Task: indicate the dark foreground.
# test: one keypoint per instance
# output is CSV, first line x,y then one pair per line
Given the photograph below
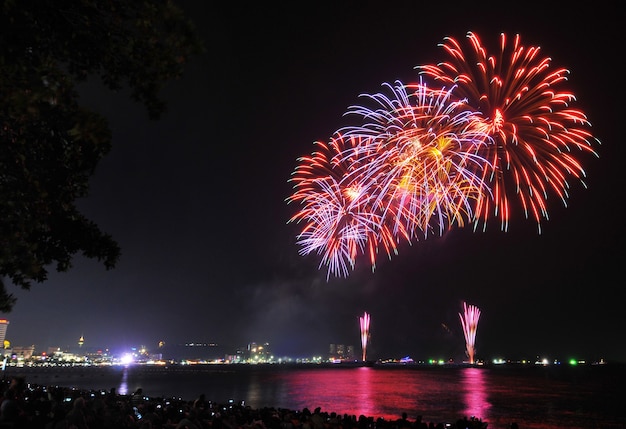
x,y
24,405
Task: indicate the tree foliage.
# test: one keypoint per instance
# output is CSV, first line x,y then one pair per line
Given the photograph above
x,y
50,145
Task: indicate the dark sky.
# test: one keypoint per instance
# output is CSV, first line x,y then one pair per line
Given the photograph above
x,y
197,199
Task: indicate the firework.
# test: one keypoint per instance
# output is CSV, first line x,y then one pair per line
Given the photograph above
x,y
339,222
498,132
421,150
411,167
527,113
469,322
365,332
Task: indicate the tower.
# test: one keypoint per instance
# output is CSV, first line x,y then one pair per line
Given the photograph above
x,y
4,323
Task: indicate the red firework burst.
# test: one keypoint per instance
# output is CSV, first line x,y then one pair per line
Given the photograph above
x,y
528,115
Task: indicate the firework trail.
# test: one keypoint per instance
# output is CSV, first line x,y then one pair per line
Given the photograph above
x,y
469,322
528,114
365,333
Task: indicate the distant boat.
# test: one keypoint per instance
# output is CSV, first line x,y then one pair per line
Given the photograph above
x,y
353,363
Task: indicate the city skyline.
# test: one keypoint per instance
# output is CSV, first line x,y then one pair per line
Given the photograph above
x,y
337,351
198,200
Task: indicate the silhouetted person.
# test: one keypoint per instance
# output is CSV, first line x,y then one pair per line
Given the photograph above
x,y
10,409
76,417
136,398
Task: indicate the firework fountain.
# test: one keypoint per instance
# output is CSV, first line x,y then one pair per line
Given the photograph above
x,y
469,322
365,333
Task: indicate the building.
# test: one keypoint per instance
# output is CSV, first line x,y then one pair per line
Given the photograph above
x,y
23,353
4,323
259,353
340,352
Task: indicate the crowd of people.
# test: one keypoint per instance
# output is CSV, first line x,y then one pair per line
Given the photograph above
x,y
28,406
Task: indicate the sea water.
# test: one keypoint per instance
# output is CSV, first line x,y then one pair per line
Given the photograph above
x,y
535,397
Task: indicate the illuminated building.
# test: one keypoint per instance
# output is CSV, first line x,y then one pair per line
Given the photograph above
x,y
24,353
4,323
341,352
259,352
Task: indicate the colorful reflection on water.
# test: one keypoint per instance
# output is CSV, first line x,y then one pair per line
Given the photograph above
x,y
535,398
122,389
370,392
475,393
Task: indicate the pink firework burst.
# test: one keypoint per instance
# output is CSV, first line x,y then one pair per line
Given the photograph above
x,y
421,147
336,212
412,166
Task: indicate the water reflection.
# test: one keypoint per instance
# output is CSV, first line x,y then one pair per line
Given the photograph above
x,y
364,392
371,392
123,387
329,387
254,388
475,393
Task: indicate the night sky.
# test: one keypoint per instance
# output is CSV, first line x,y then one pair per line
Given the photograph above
x,y
197,203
